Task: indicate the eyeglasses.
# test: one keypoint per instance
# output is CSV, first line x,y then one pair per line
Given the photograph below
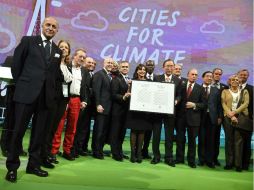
x,y
236,80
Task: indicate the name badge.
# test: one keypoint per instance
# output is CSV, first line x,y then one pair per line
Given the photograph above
x,y
65,90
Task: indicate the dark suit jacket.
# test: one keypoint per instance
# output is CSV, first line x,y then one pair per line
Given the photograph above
x,y
192,116
31,70
118,89
250,107
214,105
102,90
86,87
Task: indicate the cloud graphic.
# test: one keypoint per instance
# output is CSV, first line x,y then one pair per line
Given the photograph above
x,y
100,25
212,27
12,40
56,3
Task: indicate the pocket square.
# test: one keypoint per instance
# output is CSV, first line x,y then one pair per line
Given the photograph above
x,y
57,55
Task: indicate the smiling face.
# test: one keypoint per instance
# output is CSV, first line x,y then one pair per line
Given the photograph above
x,y
49,27
65,49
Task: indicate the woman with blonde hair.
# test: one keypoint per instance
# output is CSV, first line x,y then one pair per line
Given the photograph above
x,y
234,102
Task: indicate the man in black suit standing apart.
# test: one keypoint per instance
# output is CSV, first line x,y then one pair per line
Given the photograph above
x,y
191,104
82,135
209,120
36,62
243,76
120,105
102,94
217,73
169,121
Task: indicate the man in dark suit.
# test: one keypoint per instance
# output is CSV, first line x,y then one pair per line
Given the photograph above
x,y
36,61
243,76
191,104
209,120
150,66
217,74
82,135
102,95
120,104
169,121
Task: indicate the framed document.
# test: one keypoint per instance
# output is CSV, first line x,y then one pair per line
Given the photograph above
x,y
156,97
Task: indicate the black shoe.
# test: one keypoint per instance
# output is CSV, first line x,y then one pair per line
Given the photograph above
x,y
201,163
117,158
125,156
139,160
98,156
107,153
52,159
59,153
146,156
37,171
133,159
11,176
68,156
245,168
217,163
179,162
47,164
210,165
228,167
82,153
155,161
23,153
170,163
238,169
192,165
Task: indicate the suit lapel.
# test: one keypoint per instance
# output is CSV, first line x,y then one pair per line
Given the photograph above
x,y
40,46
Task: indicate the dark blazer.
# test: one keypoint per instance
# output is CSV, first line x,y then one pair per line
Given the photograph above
x,y
250,107
102,90
193,116
31,70
214,105
118,89
86,86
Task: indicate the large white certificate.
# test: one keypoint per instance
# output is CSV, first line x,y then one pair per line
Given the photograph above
x,y
154,97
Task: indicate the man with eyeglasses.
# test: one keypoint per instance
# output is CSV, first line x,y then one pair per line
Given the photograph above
x,y
217,74
80,145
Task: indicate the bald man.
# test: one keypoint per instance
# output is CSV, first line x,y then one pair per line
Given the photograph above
x,y
36,61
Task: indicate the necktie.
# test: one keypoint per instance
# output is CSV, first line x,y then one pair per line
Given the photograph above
x,y
189,90
91,74
206,91
109,76
47,49
217,85
127,79
167,79
149,77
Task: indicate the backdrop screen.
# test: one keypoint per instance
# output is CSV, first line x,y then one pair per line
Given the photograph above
x,y
200,33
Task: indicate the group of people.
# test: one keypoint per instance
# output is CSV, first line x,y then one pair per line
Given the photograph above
x,y
57,90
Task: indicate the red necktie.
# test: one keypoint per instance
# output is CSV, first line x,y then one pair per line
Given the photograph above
x,y
189,90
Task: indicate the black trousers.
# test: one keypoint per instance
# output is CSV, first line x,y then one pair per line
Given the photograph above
x,y
100,132
117,134
229,141
217,142
23,114
206,138
82,135
54,116
169,134
192,132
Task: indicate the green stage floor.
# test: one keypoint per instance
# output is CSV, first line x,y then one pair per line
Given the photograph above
x,y
87,173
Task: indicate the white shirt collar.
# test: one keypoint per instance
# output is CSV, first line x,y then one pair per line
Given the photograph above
x,y
44,38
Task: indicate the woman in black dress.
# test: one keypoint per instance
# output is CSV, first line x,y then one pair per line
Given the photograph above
x,y
138,122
